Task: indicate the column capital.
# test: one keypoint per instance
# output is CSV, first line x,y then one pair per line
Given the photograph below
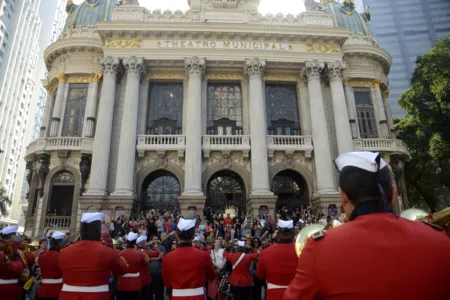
x,y
376,82
50,88
195,66
61,77
134,65
335,69
254,67
96,77
313,69
110,64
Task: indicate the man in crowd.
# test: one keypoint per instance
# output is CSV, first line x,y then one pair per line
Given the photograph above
x,y
384,257
86,266
278,275
52,282
156,268
11,266
186,269
146,278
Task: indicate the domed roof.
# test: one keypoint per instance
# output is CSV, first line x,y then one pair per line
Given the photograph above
x,y
88,13
345,16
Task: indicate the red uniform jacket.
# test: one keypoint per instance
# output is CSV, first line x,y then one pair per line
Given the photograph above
x,y
277,264
146,278
187,268
10,270
89,264
48,261
241,276
136,261
376,256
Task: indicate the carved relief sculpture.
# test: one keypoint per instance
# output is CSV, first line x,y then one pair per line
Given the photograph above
x,y
85,170
30,170
312,5
195,66
254,67
44,162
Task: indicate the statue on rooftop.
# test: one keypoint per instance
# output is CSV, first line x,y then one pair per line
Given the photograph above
x,y
312,5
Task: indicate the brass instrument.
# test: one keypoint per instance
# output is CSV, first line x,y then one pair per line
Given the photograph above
x,y
308,231
413,214
32,247
6,248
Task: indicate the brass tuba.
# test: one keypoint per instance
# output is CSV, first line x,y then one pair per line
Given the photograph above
x,y
308,231
413,214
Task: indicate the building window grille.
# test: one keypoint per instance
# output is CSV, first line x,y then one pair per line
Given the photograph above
x,y
365,113
224,104
165,113
75,109
282,110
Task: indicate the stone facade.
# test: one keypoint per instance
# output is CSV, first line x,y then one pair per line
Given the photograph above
x,y
115,155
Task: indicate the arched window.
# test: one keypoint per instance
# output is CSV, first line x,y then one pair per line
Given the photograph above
x,y
75,108
64,178
225,188
291,189
365,113
161,190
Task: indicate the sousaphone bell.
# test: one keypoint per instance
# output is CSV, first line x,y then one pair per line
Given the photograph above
x,y
308,231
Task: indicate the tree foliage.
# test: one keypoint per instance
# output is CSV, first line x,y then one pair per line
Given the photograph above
x,y
426,128
4,202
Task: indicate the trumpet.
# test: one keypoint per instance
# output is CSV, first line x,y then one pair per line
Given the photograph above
x,y
308,231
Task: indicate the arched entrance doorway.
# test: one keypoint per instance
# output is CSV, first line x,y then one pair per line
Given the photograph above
x,y
225,188
160,190
59,206
291,190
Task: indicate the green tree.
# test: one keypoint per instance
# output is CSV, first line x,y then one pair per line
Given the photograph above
x,y
4,201
426,127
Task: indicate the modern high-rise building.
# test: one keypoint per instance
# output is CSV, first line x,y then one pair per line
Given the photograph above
x,y
51,17
407,29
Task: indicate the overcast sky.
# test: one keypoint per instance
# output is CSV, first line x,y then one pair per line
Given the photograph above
x,y
266,6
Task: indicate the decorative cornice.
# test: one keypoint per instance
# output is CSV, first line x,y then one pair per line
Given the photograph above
x,y
166,75
335,69
110,64
282,77
134,65
254,67
50,88
313,69
323,48
195,66
61,77
376,82
362,83
79,79
123,43
225,76
96,77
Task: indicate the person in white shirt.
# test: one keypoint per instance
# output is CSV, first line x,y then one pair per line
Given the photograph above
x,y
217,256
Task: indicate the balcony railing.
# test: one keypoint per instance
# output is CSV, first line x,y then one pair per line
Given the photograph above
x,y
289,144
60,143
226,143
161,143
58,222
382,145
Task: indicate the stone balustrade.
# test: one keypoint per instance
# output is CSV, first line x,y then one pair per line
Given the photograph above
x,y
226,143
161,143
289,144
393,146
58,222
60,144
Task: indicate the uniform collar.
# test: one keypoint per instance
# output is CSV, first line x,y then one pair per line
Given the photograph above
x,y
285,242
53,249
370,207
184,245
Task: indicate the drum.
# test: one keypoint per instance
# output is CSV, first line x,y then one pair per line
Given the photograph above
x,y
225,287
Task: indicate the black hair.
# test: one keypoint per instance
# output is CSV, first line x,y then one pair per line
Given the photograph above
x,y
186,235
42,241
55,243
91,231
360,185
131,244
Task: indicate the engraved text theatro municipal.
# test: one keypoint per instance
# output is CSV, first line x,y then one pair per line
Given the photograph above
x,y
225,45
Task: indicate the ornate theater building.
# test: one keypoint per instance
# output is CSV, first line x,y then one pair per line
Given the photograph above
x,y
214,107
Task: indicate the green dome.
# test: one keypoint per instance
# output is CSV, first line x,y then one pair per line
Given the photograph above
x,y
88,13
345,16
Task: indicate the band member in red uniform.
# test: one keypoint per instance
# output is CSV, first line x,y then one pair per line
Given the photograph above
x,y
278,263
241,279
129,285
11,266
375,255
146,278
87,264
51,274
186,269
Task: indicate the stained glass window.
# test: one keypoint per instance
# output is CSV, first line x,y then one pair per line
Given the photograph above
x,y
365,113
165,113
224,109
282,110
161,191
75,108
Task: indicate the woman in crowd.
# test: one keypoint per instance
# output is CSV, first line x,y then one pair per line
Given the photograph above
x,y
219,261
42,247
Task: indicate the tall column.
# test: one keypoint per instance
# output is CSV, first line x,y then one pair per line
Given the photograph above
x,y
378,102
128,131
341,121
58,108
195,69
322,152
91,106
260,193
304,110
389,117
48,107
351,107
102,141
143,106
